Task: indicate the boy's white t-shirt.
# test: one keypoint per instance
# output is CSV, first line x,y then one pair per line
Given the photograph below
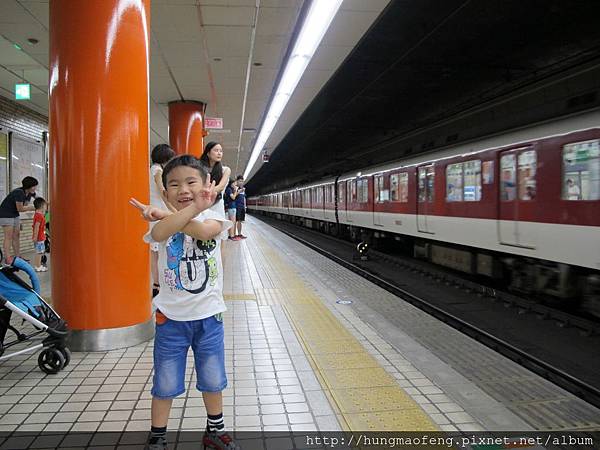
x,y
191,273
155,198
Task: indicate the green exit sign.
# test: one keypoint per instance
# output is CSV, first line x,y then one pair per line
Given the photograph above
x,y
22,91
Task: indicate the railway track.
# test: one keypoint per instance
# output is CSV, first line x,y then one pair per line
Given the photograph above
x,y
563,320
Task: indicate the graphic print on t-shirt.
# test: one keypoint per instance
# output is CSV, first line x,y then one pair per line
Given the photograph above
x,y
191,263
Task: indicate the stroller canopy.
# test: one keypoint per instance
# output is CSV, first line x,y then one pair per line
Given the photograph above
x,y
23,298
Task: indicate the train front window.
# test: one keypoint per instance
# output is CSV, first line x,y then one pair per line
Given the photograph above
x,y
581,171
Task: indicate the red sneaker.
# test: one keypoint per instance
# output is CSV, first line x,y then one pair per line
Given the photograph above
x,y
218,440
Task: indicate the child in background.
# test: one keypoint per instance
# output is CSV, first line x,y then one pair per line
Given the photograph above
x,y
160,155
190,303
39,234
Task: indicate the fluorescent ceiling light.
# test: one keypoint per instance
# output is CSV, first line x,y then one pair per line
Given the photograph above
x,y
317,21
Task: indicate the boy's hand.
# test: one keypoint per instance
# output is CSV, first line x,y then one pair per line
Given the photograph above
x,y
206,196
149,213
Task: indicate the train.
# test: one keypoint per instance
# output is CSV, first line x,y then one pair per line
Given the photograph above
x,y
521,208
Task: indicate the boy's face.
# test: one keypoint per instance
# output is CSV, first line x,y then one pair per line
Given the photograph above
x,y
183,184
43,208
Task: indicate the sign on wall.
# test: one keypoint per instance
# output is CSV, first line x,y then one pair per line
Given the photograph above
x,y
22,91
213,122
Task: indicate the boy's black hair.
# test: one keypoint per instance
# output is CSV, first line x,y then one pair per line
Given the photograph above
x,y
29,182
38,202
184,160
239,177
161,154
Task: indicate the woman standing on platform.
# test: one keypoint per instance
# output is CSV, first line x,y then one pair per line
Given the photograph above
x,y
211,159
10,209
161,154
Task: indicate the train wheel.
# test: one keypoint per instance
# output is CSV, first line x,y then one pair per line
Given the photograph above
x,y
51,360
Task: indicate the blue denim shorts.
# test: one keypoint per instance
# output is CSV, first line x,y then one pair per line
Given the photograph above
x,y
40,247
171,343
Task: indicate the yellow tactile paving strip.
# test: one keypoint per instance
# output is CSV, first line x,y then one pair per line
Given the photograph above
x,y
365,396
239,296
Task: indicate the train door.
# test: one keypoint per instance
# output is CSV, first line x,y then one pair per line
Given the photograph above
x,y
340,201
425,187
517,193
350,198
379,197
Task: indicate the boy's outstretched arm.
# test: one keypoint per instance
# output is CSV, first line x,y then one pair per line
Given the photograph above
x,y
200,230
174,223
203,231
153,214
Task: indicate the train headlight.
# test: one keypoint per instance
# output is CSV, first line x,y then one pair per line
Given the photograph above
x,y
362,249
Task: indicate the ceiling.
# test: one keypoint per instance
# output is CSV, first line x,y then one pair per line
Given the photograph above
x,y
201,50
430,74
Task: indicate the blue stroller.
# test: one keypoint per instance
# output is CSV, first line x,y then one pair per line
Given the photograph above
x,y
17,297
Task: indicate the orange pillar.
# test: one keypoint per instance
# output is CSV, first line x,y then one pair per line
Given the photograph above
x,y
186,127
98,110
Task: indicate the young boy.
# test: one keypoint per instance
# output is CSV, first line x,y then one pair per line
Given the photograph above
x,y
190,303
39,234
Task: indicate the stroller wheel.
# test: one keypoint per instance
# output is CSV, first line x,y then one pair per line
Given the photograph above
x,y
51,360
66,354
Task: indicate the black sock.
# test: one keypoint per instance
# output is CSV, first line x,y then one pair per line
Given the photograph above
x,y
156,433
215,423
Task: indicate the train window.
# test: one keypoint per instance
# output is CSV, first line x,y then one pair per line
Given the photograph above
x,y
399,187
394,186
403,188
509,176
381,194
363,190
352,191
426,184
527,169
306,198
581,171
472,181
341,195
454,182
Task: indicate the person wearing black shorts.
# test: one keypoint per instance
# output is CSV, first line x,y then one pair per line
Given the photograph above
x,y
10,209
240,206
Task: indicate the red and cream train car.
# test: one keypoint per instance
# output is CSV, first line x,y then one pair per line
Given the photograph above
x,y
523,205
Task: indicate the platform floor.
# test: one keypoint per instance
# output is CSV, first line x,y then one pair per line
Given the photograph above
x,y
299,360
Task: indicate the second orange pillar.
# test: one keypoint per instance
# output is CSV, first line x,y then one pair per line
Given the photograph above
x,y
186,127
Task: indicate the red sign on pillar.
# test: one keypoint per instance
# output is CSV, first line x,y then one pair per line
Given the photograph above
x,y
216,123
